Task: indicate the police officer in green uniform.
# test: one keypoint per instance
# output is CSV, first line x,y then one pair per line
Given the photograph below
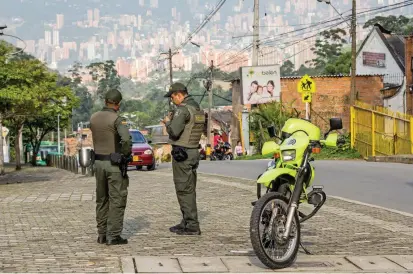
x,y
111,141
185,127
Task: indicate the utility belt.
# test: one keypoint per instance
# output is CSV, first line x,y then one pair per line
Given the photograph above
x,y
115,159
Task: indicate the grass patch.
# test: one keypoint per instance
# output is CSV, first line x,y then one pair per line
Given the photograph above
x,y
253,157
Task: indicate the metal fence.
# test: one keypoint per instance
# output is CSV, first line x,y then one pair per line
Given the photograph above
x,y
69,163
378,131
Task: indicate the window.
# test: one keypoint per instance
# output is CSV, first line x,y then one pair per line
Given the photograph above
x,y
137,137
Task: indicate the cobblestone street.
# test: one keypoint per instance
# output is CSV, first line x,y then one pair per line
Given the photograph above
x,y
47,223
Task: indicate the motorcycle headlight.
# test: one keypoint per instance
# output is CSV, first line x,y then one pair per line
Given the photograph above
x,y
148,152
288,155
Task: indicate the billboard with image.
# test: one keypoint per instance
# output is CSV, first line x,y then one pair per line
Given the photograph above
x,y
260,84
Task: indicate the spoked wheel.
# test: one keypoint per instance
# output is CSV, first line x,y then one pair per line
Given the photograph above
x,y
267,224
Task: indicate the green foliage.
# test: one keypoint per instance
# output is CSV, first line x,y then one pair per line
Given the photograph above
x,y
398,25
341,152
83,111
33,95
287,69
266,115
106,75
328,48
330,58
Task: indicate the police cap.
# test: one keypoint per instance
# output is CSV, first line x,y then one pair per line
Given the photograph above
x,y
113,96
176,87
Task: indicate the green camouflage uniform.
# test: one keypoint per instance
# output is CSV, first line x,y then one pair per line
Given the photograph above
x,y
185,130
110,135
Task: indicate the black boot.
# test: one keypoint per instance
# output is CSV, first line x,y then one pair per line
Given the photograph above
x,y
189,231
176,228
118,240
101,239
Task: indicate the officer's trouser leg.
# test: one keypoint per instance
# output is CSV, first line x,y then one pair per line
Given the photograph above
x,y
118,192
185,176
102,197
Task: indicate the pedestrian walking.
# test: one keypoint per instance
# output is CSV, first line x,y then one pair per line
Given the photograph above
x,y
185,127
112,145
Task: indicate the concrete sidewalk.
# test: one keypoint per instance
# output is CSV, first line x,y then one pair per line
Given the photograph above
x,y
402,159
245,264
47,224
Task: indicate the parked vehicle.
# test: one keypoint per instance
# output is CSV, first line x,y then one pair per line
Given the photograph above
x,y
142,152
275,219
46,147
222,151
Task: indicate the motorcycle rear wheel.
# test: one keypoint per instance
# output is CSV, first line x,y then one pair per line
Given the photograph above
x,y
258,239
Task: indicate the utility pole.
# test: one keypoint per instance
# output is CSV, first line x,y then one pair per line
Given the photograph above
x,y
170,55
209,125
353,54
255,34
170,65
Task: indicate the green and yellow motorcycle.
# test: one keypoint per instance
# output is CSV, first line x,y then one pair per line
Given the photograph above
x,y
275,218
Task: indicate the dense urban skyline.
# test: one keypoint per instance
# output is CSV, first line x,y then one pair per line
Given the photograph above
x,y
134,33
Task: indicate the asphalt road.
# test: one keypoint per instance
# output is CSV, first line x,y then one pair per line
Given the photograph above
x,y
388,185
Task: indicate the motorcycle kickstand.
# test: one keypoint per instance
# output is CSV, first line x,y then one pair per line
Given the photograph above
x,y
305,249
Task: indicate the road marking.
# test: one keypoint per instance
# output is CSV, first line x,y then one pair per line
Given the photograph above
x,y
331,196
370,205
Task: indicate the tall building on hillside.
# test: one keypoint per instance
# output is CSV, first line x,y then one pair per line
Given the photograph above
x,y
48,38
141,3
56,41
90,17
59,21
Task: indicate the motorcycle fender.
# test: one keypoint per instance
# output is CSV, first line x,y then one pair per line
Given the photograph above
x,y
267,177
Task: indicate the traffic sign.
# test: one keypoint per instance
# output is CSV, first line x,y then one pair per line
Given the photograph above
x,y
306,97
306,84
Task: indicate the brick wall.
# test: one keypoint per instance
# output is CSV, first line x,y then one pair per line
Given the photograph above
x,y
409,76
332,97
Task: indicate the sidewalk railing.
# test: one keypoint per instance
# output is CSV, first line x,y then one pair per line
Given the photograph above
x,y
69,163
378,131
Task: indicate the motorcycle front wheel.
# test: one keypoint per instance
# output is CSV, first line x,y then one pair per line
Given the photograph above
x,y
267,225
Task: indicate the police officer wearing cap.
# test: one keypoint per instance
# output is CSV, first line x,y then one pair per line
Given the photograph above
x,y
111,142
185,127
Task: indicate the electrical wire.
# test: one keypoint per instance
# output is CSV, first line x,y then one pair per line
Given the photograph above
x,y
17,52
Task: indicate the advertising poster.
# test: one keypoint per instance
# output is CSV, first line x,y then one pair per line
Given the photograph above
x,y
373,59
260,84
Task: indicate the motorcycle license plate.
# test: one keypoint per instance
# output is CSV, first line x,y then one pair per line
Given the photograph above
x,y
135,158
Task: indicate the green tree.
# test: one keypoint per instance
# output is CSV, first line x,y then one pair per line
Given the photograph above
x,y
328,48
55,100
341,65
399,25
106,75
287,69
24,85
83,112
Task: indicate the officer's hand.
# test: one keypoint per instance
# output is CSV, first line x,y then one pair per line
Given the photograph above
x,y
165,120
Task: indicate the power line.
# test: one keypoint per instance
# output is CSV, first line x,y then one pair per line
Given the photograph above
x,y
360,14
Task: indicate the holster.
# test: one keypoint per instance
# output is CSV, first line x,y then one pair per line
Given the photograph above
x,y
116,159
179,153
